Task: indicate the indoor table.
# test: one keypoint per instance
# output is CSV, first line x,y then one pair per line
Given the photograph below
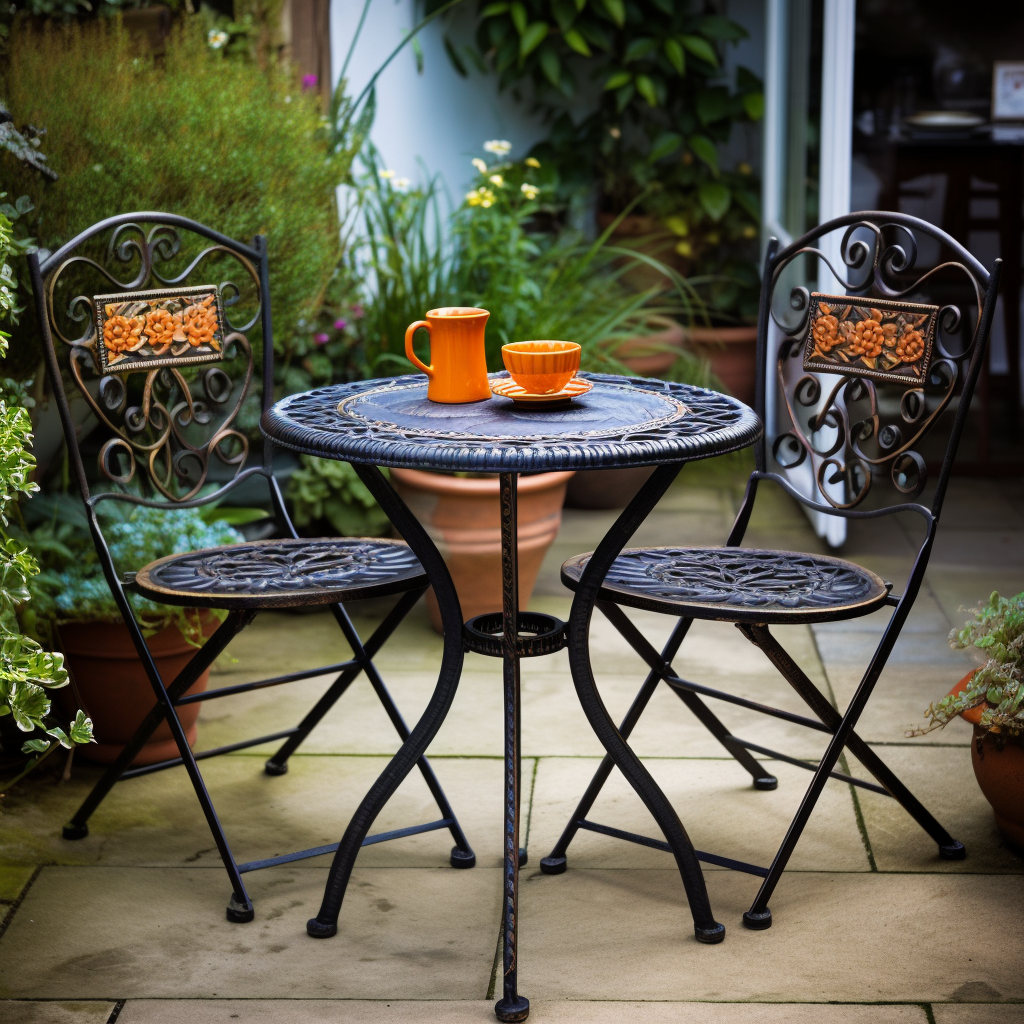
x,y
621,421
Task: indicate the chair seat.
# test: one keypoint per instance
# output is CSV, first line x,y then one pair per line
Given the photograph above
x,y
282,573
737,584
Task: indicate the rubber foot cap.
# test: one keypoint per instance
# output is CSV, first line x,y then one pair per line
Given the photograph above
x,y
767,783
272,768
759,920
552,865
75,831
512,1009
462,858
240,911
955,851
524,857
711,936
318,930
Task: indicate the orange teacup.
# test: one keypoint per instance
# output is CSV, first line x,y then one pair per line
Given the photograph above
x,y
541,367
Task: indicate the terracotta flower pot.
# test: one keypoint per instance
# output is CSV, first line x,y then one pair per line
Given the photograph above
x,y
654,352
1000,773
463,519
732,353
649,236
115,690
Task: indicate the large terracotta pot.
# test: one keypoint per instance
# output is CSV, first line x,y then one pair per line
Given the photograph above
x,y
115,690
1000,773
463,519
653,352
732,353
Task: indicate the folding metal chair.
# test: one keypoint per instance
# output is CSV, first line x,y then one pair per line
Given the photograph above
x,y
863,378
164,373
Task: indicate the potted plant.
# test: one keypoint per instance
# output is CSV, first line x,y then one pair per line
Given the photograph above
x,y
73,608
991,699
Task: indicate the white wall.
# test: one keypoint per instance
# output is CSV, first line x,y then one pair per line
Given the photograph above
x,y
436,117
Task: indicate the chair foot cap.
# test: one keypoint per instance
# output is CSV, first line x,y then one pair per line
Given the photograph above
x,y
524,857
552,865
319,930
767,782
508,1010
710,936
240,911
73,831
462,858
273,768
954,851
758,920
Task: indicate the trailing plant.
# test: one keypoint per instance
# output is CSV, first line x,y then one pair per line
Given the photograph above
x,y
328,491
997,628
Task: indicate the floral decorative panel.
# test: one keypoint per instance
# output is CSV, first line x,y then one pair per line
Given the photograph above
x,y
164,327
877,338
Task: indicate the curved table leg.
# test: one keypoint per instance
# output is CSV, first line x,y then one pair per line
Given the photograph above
x,y
412,750
705,927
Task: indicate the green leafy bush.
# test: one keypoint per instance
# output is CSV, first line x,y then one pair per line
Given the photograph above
x,y
327,491
224,142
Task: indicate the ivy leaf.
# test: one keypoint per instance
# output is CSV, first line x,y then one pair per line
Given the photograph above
x,y
60,736
665,144
35,746
518,13
665,6
493,10
577,42
753,104
623,96
712,105
715,197
640,48
645,87
616,10
534,35
81,728
29,704
704,149
676,55
618,79
580,4
551,66
564,12
717,27
701,49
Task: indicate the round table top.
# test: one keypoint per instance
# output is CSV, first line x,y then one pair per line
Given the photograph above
x,y
622,421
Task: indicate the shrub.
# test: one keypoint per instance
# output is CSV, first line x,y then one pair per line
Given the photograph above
x,y
221,141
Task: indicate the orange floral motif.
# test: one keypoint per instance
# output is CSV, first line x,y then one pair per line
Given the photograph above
x,y
910,346
868,337
826,332
121,333
200,324
162,328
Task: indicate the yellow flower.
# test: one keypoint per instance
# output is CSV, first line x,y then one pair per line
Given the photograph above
x,y
530,191
479,165
480,197
532,161
386,175
744,168
750,231
499,147
684,248
496,179
615,133
473,198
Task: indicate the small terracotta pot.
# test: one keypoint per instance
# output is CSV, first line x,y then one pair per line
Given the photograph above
x,y
462,517
652,353
732,354
1000,773
115,690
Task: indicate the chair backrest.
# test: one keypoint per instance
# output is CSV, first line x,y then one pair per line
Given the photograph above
x,y
872,379
149,323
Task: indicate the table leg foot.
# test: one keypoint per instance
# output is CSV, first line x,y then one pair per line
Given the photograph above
x,y
240,911
462,858
321,930
710,936
271,767
552,865
767,782
758,920
523,856
516,1009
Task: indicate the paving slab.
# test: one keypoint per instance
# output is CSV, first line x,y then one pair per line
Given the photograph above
x,y
156,820
856,937
719,808
978,1013
943,780
543,1011
31,1011
13,878
161,933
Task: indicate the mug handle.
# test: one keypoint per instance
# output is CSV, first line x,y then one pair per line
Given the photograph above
x,y
413,358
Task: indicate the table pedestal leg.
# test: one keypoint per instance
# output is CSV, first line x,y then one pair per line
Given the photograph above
x,y
511,1006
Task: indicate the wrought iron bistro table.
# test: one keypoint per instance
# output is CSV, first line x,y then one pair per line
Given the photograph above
x,y
623,421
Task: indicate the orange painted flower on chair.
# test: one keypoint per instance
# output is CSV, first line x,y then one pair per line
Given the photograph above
x,y
868,337
162,329
200,324
826,332
910,346
122,334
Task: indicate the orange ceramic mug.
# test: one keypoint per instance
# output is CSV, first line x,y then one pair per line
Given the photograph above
x,y
458,364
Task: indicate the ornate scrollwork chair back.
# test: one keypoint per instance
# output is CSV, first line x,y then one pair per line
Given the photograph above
x,y
150,323
871,381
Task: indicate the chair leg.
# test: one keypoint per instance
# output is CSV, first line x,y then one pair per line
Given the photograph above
x,y
761,637
77,827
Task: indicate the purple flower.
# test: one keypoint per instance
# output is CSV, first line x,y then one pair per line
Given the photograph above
x,y
310,82
357,311
340,325
321,339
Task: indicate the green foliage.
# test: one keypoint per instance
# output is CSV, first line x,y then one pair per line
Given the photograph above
x,y
324,490
997,628
225,142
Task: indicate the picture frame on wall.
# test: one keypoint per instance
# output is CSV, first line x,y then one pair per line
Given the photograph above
x,y
1008,90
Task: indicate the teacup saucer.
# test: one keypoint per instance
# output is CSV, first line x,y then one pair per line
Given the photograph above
x,y
508,388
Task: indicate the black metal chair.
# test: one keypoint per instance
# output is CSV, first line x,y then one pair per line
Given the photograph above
x,y
164,373
846,444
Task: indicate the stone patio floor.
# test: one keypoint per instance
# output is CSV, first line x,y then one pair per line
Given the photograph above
x,y
869,925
